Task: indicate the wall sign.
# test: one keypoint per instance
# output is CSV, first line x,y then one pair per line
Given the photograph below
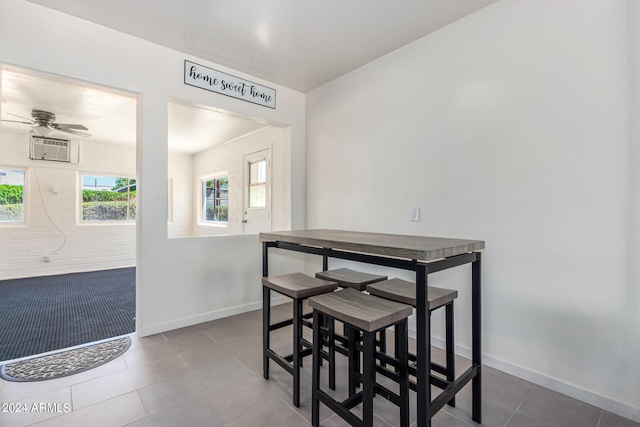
x,y
225,84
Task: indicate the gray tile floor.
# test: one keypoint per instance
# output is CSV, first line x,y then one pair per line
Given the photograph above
x,y
211,375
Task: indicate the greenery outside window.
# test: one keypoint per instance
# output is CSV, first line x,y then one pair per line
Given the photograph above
x,y
215,200
107,198
11,195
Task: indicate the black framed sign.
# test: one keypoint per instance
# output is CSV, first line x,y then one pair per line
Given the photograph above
x,y
225,84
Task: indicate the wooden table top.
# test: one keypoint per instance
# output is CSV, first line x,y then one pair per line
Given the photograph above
x,y
420,248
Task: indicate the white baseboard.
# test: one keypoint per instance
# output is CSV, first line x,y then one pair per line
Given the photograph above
x,y
623,409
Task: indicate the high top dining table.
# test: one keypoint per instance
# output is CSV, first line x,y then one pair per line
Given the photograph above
x,y
424,255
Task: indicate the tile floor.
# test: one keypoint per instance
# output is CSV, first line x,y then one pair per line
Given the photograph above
x,y
211,375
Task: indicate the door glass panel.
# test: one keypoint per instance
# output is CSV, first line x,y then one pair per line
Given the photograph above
x,y
258,184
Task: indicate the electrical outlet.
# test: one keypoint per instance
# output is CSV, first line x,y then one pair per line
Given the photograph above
x,y
415,214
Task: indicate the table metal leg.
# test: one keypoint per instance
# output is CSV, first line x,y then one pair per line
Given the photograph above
x,y
266,311
423,340
476,338
265,258
315,376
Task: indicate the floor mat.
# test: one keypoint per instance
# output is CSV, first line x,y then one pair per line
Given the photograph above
x,y
65,363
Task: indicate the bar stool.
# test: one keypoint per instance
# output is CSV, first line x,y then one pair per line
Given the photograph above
x,y
403,291
298,287
363,314
347,278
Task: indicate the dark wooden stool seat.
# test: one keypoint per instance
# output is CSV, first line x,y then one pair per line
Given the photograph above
x,y
404,291
347,278
298,287
363,314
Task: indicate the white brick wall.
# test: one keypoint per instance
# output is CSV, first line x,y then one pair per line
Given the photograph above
x,y
87,247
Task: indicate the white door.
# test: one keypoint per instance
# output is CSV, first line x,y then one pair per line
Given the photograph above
x,y
257,189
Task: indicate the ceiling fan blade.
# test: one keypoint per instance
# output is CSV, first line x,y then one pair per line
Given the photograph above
x,y
74,132
15,115
62,126
17,121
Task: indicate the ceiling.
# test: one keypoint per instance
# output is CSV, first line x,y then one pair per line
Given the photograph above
x,y
299,44
109,115
194,128
294,43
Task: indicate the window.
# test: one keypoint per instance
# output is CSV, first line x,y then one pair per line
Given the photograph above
x,y
215,200
258,184
107,198
11,195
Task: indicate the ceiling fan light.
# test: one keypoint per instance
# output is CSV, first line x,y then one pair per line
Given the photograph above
x,y
43,130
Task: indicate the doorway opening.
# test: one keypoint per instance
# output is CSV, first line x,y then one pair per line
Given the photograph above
x,y
67,230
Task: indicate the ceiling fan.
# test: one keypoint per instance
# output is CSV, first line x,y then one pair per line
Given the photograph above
x,y
43,124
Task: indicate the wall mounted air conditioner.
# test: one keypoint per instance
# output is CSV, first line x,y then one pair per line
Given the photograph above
x,y
53,149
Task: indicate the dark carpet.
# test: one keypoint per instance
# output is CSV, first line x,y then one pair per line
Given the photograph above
x,y
43,314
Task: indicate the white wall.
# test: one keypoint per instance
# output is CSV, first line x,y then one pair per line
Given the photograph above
x,y
178,282
181,207
631,328
510,126
83,246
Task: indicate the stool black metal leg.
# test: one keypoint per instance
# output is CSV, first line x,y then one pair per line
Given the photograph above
x,y
297,359
368,377
396,342
266,319
382,343
353,336
358,337
353,366
315,376
332,353
450,348
402,351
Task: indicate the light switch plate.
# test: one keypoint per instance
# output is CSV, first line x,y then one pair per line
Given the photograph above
x,y
415,214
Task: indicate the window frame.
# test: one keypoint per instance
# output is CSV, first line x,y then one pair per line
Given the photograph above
x,y
263,184
202,219
25,198
93,222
